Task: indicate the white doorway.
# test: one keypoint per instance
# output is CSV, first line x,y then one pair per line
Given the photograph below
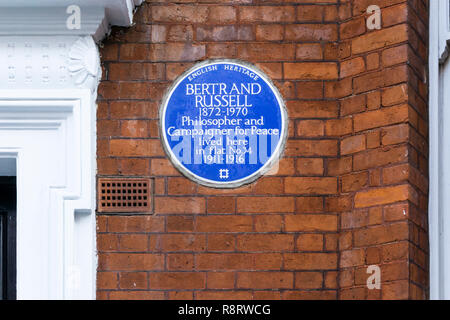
x,y
49,135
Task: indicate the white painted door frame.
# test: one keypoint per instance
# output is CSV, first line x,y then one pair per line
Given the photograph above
x,y
49,133
439,165
49,75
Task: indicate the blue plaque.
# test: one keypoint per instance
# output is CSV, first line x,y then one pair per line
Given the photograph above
x,y
223,123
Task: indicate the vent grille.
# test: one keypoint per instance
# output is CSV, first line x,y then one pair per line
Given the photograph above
x,y
124,195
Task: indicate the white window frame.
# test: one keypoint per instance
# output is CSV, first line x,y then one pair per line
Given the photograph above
x,y
439,164
64,267
48,83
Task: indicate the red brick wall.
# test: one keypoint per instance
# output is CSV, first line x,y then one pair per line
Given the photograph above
x,y
383,164
355,160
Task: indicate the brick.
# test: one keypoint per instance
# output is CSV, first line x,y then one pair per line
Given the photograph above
x,y
269,185
310,242
311,71
133,242
310,166
394,55
353,105
130,261
352,28
272,69
383,196
163,167
179,13
379,79
107,242
178,262
373,100
308,280
309,295
135,224
379,39
181,295
394,95
268,223
134,51
309,148
331,280
309,204
178,242
354,182
311,222
224,224
306,185
221,205
381,234
175,205
107,280
220,280
132,110
352,67
310,13
372,61
380,157
265,280
180,223
338,204
136,295
352,258
265,204
310,89
264,51
223,295
135,148
176,52
224,261
311,32
339,166
222,14
133,280
310,128
331,242
178,280
395,290
338,127
394,135
353,144
312,109
221,242
180,185
310,261
309,51
266,14
265,242
269,32
338,89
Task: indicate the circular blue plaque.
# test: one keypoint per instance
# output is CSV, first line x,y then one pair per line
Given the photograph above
x,y
223,123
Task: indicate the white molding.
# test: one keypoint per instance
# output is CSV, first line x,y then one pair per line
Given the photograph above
x,y
442,17
49,62
56,245
48,21
439,168
84,63
49,76
48,17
